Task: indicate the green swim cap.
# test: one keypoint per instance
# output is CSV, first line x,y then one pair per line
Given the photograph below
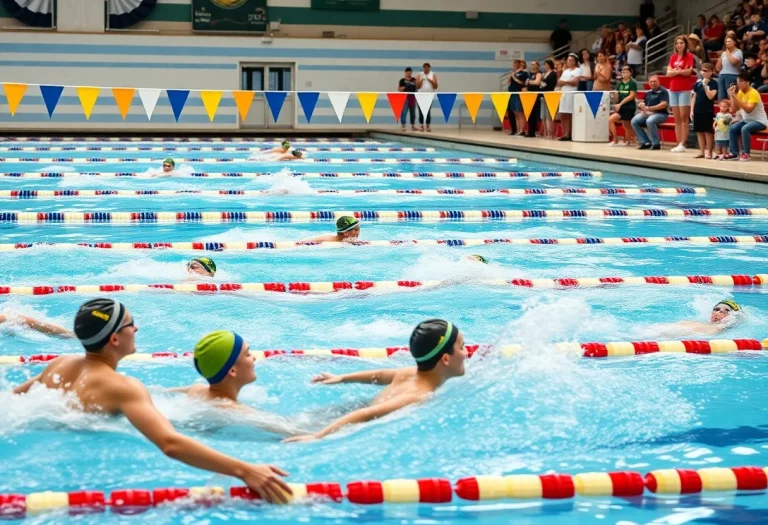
x,y
297,153
207,263
733,305
479,258
170,161
286,144
216,353
346,223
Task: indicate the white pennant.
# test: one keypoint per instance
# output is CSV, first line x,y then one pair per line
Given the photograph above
x,y
149,100
339,102
424,100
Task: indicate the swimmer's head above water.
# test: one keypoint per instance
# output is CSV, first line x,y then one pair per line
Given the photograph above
x,y
348,228
106,325
222,357
478,258
438,345
202,266
285,145
297,153
724,310
169,165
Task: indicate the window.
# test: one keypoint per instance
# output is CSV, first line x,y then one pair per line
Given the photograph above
x,y
253,79
279,79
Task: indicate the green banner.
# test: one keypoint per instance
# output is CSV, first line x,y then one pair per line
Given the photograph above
x,y
229,15
346,5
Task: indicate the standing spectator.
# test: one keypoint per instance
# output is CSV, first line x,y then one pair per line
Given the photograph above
x,y
569,81
681,69
517,83
512,87
620,60
653,29
598,44
585,79
647,10
636,50
713,34
609,43
753,118
701,25
653,111
534,85
560,38
729,67
408,85
722,129
620,34
548,83
764,73
696,49
756,32
602,77
426,83
753,68
703,112
625,109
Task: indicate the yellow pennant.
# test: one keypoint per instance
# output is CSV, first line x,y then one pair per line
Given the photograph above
x,y
367,102
552,98
243,99
88,96
501,102
14,93
528,100
211,101
123,99
473,100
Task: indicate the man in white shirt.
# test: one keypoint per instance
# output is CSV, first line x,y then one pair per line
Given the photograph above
x,y
426,82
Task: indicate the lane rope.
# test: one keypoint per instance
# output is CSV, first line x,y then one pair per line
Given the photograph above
x,y
330,149
229,160
328,175
255,140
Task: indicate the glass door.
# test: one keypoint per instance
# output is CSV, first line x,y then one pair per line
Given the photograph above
x,y
271,77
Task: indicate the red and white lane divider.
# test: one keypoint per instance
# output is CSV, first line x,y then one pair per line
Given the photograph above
x,y
215,246
586,350
248,140
208,149
515,192
619,484
338,286
460,175
230,160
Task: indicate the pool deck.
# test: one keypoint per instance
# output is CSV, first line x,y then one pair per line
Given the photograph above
x,y
749,176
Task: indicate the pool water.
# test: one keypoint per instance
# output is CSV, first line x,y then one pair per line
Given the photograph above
x,y
541,411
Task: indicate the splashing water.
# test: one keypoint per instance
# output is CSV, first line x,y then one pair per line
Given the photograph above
x,y
57,169
284,182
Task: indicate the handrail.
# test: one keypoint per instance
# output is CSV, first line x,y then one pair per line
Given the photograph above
x,y
658,45
716,9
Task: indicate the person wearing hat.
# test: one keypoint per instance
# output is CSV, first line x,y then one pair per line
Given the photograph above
x,y
107,331
284,147
724,315
697,49
203,266
347,230
169,165
436,345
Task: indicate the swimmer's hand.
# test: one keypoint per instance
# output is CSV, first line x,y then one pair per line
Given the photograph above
x,y
266,480
301,439
327,379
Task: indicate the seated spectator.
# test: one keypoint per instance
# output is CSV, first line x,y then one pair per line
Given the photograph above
x,y
703,112
756,32
629,35
597,45
713,34
624,109
753,119
636,51
697,50
764,73
728,67
740,28
653,29
620,34
729,24
653,111
609,44
754,70
620,59
701,25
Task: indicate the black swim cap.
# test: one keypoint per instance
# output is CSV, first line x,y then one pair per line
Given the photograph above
x,y
96,321
430,340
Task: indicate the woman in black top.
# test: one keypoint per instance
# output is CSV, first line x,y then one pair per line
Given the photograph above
x,y
548,83
534,85
517,84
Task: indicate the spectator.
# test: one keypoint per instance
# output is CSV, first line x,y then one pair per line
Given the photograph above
x,y
729,24
548,83
620,34
602,77
647,10
653,111
713,34
609,43
741,28
653,29
625,109
751,66
681,69
560,38
756,31
517,83
703,112
408,85
620,60
585,65
722,129
629,35
753,119
696,49
701,25
764,73
534,85
426,83
636,50
729,67
512,87
569,81
598,44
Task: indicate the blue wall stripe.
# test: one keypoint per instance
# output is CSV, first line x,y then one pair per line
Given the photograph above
x,y
116,65
368,67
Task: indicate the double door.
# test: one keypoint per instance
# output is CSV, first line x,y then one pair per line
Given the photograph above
x,y
268,77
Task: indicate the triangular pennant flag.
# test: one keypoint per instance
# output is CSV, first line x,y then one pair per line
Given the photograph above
x,y
88,96
211,101
149,99
593,99
14,93
123,98
501,102
339,102
396,102
275,101
243,100
447,100
178,99
473,100
424,100
51,96
308,101
528,100
367,102
552,98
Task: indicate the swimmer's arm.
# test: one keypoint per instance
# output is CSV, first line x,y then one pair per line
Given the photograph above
x,y
384,376
24,387
46,328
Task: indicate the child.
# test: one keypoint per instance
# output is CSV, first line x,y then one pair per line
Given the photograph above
x,y
703,111
722,127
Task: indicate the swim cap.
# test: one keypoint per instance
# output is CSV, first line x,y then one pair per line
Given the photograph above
x,y
430,340
346,223
297,153
170,161
96,321
286,144
733,305
216,353
479,258
207,263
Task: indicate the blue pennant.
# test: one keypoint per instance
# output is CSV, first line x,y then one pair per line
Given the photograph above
x,y
275,100
51,95
177,98
446,103
308,100
593,99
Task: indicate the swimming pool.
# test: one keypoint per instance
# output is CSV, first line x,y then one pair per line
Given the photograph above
x,y
539,412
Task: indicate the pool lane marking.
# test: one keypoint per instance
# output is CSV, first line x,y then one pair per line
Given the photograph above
x,y
229,160
323,175
208,149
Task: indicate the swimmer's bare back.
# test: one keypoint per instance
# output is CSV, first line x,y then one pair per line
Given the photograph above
x,y
405,385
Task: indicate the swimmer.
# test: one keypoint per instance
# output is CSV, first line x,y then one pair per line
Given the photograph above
x,y
38,326
438,348
107,331
724,315
296,154
169,165
203,266
347,230
284,147
478,258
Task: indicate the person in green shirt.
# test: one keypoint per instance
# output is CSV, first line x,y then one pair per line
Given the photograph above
x,y
624,109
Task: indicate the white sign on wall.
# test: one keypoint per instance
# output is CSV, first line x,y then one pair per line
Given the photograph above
x,y
509,54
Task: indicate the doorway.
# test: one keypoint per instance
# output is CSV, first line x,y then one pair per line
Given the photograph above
x,y
268,77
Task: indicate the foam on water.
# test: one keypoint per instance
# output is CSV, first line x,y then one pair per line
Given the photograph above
x,y
150,270
56,169
284,182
